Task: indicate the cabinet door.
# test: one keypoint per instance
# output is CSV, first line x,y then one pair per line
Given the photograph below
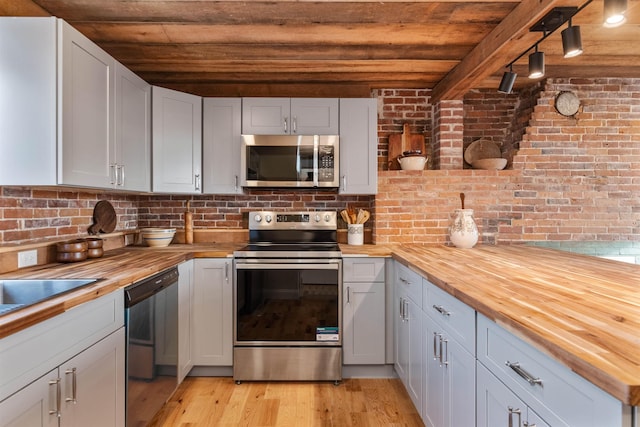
x,y
213,313
93,384
416,361
314,116
221,140
266,116
364,323
132,167
459,384
32,405
400,355
497,406
434,398
177,141
86,141
186,300
28,102
358,146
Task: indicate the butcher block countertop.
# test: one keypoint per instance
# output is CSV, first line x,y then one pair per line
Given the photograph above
x,y
581,310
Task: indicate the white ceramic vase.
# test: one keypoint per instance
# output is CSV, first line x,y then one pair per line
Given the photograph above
x,y
463,231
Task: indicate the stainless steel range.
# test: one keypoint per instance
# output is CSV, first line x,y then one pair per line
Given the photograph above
x,y
288,299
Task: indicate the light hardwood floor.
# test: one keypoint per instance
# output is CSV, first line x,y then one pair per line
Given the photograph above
x,y
207,401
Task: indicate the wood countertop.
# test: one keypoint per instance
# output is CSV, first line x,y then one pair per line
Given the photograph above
x,y
581,310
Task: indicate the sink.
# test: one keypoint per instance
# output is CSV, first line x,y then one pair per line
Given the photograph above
x,y
18,293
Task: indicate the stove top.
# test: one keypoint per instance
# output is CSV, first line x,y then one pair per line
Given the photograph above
x,y
275,234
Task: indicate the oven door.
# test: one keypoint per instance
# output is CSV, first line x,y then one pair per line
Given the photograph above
x,y
288,302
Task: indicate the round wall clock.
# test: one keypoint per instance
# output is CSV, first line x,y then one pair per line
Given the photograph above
x,y
567,103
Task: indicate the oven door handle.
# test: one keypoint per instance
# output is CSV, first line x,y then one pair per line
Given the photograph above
x,y
281,266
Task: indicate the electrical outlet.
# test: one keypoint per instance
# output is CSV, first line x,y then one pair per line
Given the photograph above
x,y
27,258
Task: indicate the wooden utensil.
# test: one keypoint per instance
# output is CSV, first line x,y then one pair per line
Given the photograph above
x,y
400,143
188,225
345,216
462,199
104,218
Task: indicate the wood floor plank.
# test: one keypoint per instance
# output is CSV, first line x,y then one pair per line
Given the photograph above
x,y
214,401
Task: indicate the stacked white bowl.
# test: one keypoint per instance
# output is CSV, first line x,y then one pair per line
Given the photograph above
x,y
157,237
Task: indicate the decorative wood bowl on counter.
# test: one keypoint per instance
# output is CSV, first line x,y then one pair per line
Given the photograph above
x,y
72,251
157,237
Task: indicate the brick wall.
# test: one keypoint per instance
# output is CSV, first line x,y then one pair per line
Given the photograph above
x,y
572,178
39,214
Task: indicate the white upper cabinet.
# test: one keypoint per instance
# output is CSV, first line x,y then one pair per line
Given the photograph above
x,y
177,141
358,146
132,167
69,113
87,94
221,127
284,116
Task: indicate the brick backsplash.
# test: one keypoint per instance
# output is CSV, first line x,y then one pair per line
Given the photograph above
x,y
574,178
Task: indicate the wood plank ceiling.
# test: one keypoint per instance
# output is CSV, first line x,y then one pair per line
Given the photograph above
x,y
339,48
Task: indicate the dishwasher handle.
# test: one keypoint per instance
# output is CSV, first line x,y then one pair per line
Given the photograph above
x,y
140,291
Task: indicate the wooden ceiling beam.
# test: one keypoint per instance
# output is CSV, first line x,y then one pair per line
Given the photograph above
x,y
507,40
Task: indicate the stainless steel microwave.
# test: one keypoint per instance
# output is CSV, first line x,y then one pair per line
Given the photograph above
x,y
290,161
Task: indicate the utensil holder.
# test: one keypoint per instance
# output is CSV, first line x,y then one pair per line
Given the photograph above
x,y
355,234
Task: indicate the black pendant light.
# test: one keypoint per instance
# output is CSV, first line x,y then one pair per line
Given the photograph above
x,y
508,79
536,64
571,41
614,11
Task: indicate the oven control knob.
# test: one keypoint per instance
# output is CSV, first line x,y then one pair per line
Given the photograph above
x,y
268,218
327,218
317,218
257,218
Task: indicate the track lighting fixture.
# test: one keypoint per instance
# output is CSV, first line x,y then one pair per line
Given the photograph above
x,y
571,41
536,64
614,11
508,79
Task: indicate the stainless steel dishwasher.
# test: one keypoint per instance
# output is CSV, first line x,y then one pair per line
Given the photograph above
x,y
151,320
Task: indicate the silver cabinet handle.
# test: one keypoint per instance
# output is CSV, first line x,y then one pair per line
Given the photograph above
x,y
406,310
74,386
226,271
286,126
113,174
197,181
440,309
517,412
400,309
435,345
295,125
444,352
121,175
524,374
526,424
348,294
344,182
56,410
236,182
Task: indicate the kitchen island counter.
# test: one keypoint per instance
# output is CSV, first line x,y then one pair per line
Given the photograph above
x,y
581,310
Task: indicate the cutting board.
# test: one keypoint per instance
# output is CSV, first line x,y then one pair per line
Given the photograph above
x,y
399,143
104,218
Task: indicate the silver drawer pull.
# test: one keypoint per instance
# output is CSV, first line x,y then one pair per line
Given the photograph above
x,y
517,412
440,309
524,374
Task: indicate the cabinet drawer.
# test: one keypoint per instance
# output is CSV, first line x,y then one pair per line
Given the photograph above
x,y
410,282
457,318
557,394
363,269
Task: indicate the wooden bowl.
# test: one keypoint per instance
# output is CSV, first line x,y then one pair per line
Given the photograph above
x,y
95,253
489,164
79,245
94,242
71,256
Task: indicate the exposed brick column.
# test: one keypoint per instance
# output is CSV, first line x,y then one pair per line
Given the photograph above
x,y
448,134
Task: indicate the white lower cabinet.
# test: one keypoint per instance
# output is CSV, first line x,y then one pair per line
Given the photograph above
x,y
500,407
449,377
363,314
86,390
213,312
186,300
409,359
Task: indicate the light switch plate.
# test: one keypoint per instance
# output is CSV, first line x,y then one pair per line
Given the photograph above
x,y
27,258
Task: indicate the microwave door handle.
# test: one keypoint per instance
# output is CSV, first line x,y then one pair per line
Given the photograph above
x,y
316,140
